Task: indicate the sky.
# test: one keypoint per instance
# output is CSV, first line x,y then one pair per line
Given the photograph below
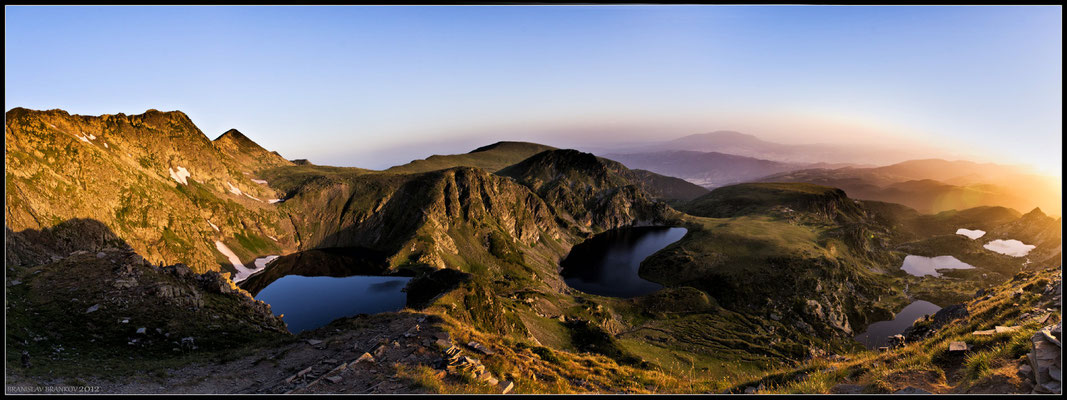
x,y
374,86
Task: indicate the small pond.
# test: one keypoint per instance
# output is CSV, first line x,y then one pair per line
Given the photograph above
x,y
1009,247
607,263
878,333
309,302
315,287
923,266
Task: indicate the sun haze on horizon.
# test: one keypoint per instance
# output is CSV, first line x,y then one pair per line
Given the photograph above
x,y
983,82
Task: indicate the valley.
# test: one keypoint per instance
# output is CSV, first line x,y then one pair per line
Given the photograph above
x,y
514,268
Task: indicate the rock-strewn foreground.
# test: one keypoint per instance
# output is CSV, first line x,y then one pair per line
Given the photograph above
x,y
115,277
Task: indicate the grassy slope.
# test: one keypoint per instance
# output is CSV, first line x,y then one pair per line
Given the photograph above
x,y
491,158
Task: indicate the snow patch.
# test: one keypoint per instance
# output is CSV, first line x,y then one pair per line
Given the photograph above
x,y
260,181
92,137
105,145
84,139
236,261
1009,247
260,264
234,189
973,234
213,226
181,176
249,196
272,201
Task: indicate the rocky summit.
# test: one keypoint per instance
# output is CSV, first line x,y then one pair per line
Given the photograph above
x,y
144,257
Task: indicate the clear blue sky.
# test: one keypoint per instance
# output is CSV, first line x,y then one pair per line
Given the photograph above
x,y
351,85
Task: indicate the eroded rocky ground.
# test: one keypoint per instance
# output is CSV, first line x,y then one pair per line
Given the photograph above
x,y
355,355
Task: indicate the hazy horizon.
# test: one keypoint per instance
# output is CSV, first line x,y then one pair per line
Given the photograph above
x,y
379,86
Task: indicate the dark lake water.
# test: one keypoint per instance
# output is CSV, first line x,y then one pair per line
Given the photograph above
x,y
878,333
313,288
607,263
309,302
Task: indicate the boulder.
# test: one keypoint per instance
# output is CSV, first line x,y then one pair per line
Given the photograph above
x,y
366,357
506,386
896,341
1046,360
958,346
179,270
1026,371
302,373
480,348
1005,329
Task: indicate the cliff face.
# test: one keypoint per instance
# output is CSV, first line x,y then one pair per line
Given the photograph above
x,y
154,179
420,218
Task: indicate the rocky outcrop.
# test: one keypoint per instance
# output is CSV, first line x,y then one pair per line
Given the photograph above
x,y
417,219
592,193
929,325
1046,359
114,299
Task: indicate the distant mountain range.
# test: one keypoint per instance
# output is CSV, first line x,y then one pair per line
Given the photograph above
x,y
935,185
929,185
741,144
707,169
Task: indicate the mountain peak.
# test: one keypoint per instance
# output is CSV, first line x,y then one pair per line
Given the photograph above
x,y
1035,213
235,135
511,145
237,145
